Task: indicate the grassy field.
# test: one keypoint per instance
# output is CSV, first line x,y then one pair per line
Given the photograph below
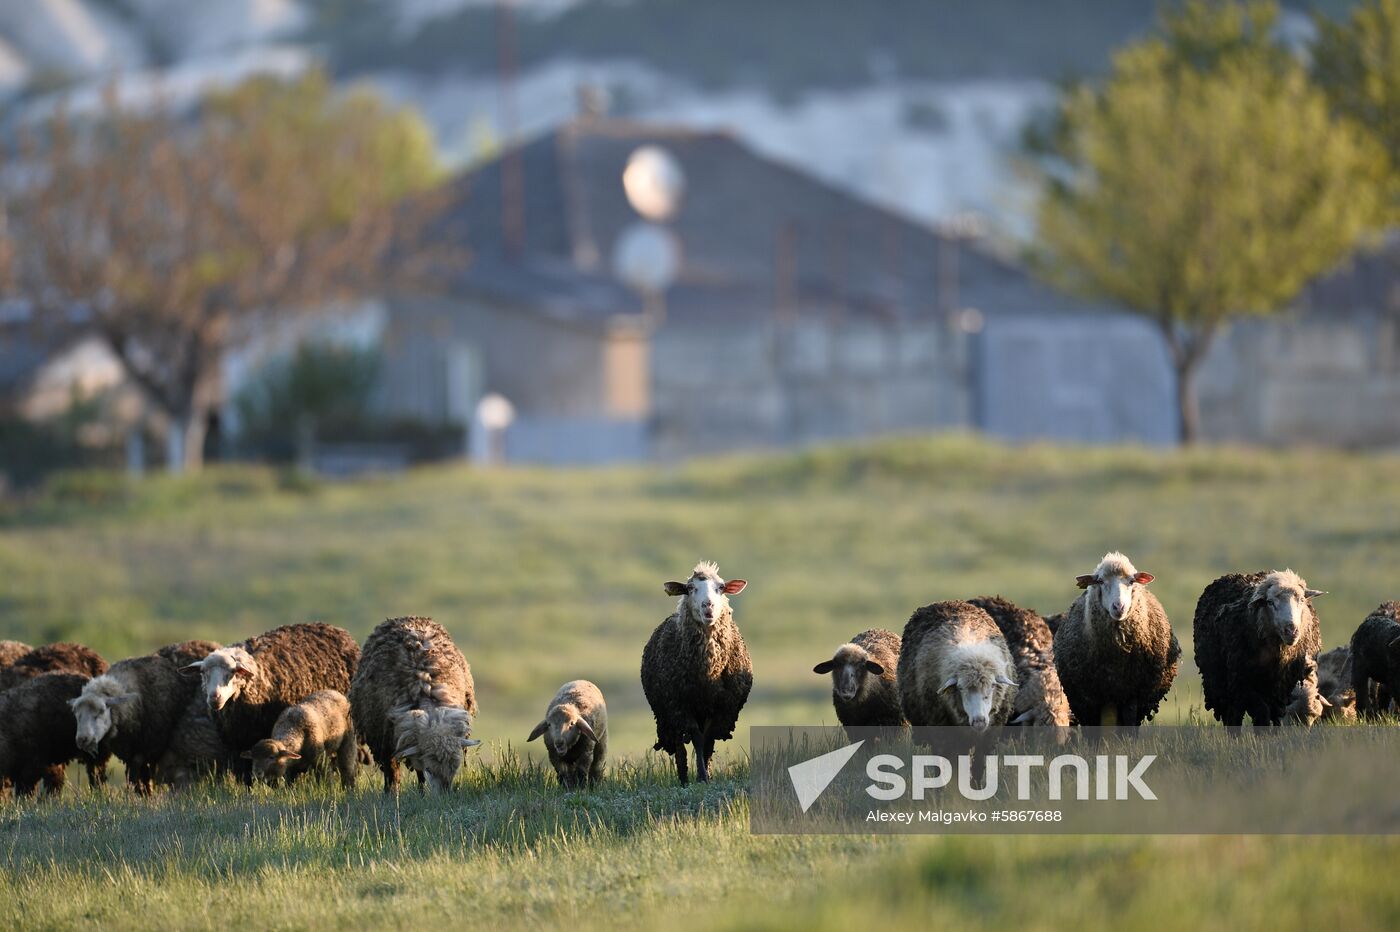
x,y
546,576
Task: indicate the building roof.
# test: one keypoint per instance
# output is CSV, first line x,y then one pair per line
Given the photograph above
x,y
743,215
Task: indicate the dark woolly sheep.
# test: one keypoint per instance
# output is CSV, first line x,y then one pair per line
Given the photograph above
x,y
955,668
696,672
1254,634
863,686
36,742
196,749
1375,660
248,684
1115,651
413,700
576,723
1040,700
1334,684
316,729
52,658
133,709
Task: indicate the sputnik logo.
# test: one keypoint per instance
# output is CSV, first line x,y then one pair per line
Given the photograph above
x,y
811,777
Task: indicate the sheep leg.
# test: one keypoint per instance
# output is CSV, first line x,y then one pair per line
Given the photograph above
x,y
54,778
391,774
702,765
347,761
1108,715
682,771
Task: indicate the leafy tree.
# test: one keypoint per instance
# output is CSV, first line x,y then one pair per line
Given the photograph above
x,y
176,238
1205,177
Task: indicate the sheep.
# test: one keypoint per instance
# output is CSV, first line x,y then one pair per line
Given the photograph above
x,y
863,687
1115,651
1334,683
248,684
10,651
37,741
1040,700
133,709
195,750
52,658
1306,703
1375,660
1254,634
955,668
576,722
696,672
413,700
315,729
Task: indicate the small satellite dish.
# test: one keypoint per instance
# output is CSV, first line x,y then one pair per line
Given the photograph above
x,y
647,257
654,183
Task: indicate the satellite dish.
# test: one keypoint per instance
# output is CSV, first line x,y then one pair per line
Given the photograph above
x,y
647,257
654,183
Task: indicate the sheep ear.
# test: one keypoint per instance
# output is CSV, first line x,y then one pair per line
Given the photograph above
x,y
116,700
676,588
1143,579
587,729
1326,703
194,669
401,753
1313,593
470,742
1023,718
1084,582
876,668
1006,681
735,586
952,681
826,666
540,729
242,671
288,755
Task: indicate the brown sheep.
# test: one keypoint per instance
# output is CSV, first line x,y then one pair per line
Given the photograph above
x,y
52,658
696,671
863,687
1040,700
10,651
413,700
1334,682
248,684
576,722
315,729
37,740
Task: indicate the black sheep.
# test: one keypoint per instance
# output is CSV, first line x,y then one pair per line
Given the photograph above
x,y
1375,660
37,740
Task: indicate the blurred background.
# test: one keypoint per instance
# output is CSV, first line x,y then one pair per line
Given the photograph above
x,y
751,254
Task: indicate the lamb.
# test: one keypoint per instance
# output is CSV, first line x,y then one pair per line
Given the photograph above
x,y
696,672
248,684
863,687
955,668
37,742
195,749
1334,684
1375,660
133,709
1115,651
315,729
52,658
1306,703
413,700
576,722
1040,700
1254,634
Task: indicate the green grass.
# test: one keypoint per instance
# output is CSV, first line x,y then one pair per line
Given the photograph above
x,y
546,576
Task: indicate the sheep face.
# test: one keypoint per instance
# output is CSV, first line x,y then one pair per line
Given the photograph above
x,y
565,727
705,596
1280,602
977,683
431,743
1115,582
223,674
93,712
849,668
270,760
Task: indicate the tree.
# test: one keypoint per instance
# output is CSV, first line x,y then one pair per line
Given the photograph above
x,y
1205,177
175,238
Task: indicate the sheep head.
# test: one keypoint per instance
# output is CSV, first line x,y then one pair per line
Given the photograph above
x,y
1115,583
223,675
849,667
1280,603
978,681
431,743
270,759
565,726
705,595
94,711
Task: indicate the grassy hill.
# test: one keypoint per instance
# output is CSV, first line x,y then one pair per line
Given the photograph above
x,y
545,576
